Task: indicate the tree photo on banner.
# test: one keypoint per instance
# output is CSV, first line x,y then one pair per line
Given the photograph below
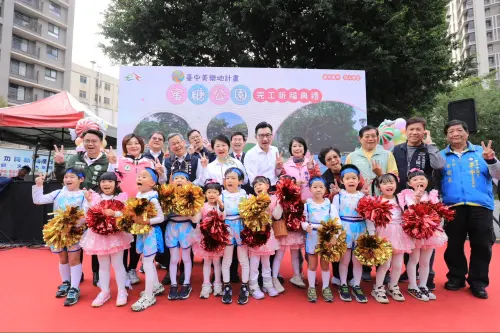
x,y
323,106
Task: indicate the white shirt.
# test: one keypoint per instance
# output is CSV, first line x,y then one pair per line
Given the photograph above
x,y
260,163
217,169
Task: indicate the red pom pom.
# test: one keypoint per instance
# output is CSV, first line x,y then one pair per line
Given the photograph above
x,y
444,211
100,223
289,197
255,239
421,221
215,232
376,210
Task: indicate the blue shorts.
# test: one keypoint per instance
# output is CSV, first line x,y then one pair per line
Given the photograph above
x,y
235,228
72,248
177,234
311,241
151,243
353,231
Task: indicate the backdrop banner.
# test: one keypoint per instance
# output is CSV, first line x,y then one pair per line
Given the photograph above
x,y
325,107
13,159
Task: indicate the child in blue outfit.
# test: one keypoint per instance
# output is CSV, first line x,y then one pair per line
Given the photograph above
x,y
177,235
149,244
345,204
70,267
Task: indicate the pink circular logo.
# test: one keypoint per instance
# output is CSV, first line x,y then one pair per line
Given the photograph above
x,y
293,95
259,95
176,94
303,95
315,96
219,94
271,95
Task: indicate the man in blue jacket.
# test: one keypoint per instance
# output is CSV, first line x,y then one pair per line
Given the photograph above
x,y
466,185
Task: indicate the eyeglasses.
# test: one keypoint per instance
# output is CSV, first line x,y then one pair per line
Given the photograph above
x,y
157,138
264,136
90,141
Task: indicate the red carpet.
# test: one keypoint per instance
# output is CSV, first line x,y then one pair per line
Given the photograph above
x,y
29,279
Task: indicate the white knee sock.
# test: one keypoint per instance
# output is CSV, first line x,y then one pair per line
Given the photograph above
x,y
151,274
277,262
381,271
254,267
423,266
411,269
266,266
104,272
396,267
76,275
207,269
64,271
295,262
226,262
217,271
174,261
311,278
325,278
188,265
344,266
357,271
120,272
242,252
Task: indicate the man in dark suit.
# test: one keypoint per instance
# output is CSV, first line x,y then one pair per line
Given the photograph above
x,y
238,141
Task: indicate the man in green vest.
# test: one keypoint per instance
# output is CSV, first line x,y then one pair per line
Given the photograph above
x,y
372,161
94,161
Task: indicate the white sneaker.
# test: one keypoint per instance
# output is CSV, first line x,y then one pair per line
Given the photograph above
x,y
143,303
255,290
278,286
218,290
206,290
395,293
430,295
132,275
380,295
157,290
297,281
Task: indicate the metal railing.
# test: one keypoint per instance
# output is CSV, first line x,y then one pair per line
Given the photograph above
x,y
27,23
37,4
29,75
28,48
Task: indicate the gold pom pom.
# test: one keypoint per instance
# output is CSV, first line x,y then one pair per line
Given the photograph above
x,y
254,212
65,229
166,194
372,250
136,207
332,241
189,200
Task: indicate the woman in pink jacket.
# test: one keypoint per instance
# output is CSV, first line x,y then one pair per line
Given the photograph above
x,y
301,166
129,166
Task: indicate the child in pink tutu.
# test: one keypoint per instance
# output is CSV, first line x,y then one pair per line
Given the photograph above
x,y
393,232
422,253
108,247
262,254
213,191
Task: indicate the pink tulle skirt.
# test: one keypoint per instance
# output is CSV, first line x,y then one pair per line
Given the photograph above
x,y
93,243
195,239
438,240
400,241
267,249
294,240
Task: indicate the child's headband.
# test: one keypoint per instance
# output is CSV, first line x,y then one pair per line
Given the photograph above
x,y
153,174
317,179
237,171
79,174
180,173
348,170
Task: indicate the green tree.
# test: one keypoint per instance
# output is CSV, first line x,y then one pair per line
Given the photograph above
x,y
165,122
403,46
216,126
3,103
486,94
242,127
321,125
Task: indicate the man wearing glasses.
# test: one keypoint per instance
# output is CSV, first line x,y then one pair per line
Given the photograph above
x,y
156,147
263,159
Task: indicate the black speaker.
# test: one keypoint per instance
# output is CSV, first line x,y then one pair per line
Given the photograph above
x,y
464,110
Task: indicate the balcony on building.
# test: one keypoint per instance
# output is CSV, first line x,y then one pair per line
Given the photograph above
x,y
27,23
23,71
21,95
25,47
36,4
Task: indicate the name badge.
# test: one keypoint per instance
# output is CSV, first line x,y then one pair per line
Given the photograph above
x,y
127,168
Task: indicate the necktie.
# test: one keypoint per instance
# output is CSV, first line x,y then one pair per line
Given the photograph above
x,y
238,157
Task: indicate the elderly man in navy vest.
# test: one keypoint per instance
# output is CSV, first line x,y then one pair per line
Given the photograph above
x,y
466,185
418,152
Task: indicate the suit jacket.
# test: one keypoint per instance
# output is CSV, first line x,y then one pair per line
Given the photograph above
x,y
233,155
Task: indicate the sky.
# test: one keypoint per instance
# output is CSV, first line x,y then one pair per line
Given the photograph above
x,y
88,14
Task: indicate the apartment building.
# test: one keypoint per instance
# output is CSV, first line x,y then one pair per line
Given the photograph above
x,y
98,91
476,24
36,39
